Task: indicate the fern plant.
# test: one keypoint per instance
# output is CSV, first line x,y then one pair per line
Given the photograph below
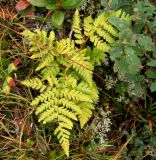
x,y
65,73
65,83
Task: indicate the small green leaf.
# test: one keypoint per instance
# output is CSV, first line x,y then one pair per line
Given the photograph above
x,y
120,24
51,6
150,74
122,87
138,26
57,19
145,41
129,51
133,61
121,65
153,86
97,56
116,53
136,77
152,63
153,141
71,4
39,3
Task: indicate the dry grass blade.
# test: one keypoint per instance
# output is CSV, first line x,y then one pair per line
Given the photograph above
x,y
7,15
122,148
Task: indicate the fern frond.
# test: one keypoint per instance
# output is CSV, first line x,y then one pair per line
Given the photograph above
x,y
74,95
123,15
42,36
67,113
34,83
65,46
100,31
46,61
99,43
88,26
86,113
46,105
105,35
77,29
83,67
86,89
51,39
63,136
52,69
43,97
47,113
109,28
66,72
71,105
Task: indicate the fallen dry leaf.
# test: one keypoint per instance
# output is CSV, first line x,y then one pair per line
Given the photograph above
x,y
22,4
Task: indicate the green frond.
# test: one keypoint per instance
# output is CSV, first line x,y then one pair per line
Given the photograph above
x,y
46,105
52,80
83,67
51,39
109,28
43,97
105,35
123,15
46,61
74,95
61,70
39,54
100,31
64,119
96,56
47,113
50,118
86,113
67,113
99,43
71,81
39,42
77,29
52,69
33,38
88,25
63,136
34,83
86,89
42,36
65,46
70,105
65,69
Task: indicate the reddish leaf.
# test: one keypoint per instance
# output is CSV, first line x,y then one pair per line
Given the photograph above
x,y
16,62
30,13
22,4
12,83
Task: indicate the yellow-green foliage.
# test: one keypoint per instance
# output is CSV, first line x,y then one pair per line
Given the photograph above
x,y
65,69
99,30
67,90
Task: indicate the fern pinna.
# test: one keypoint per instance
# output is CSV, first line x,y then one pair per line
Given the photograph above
x,y
65,69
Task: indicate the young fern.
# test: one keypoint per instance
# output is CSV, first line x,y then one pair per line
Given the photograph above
x,y
64,81
65,73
